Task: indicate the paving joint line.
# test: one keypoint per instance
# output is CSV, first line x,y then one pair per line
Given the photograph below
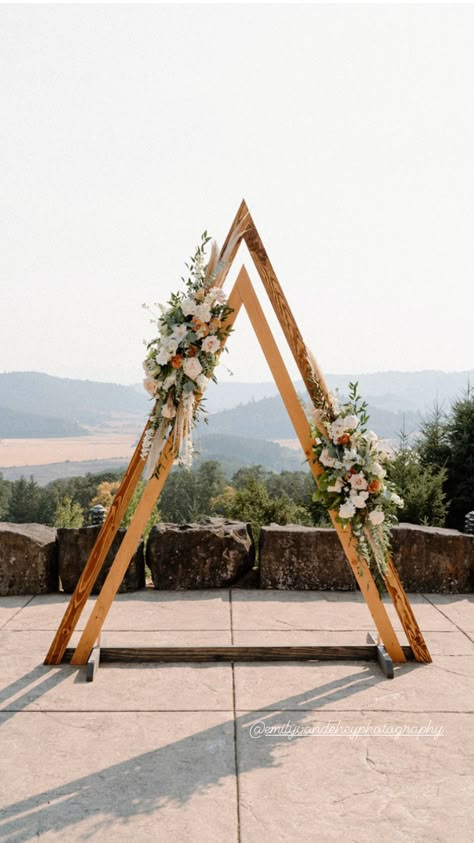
x,y
18,611
460,629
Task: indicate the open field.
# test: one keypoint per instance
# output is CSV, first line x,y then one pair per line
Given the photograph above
x,y
29,452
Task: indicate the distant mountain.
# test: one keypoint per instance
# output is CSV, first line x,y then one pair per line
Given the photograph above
x,y
237,451
393,391
268,419
15,425
84,402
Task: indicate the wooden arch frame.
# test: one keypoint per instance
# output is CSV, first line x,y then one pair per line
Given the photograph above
x,y
388,648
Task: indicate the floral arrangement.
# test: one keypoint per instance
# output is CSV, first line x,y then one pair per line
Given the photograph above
x,y
181,360
354,482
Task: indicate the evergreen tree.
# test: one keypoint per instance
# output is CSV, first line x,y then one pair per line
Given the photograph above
x,y
420,486
433,441
460,464
24,504
5,492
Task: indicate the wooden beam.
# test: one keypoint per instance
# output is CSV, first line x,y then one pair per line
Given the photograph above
x,y
406,614
96,559
301,424
238,653
135,530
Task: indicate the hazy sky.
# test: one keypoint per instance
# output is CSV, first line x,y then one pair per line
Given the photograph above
x,y
127,130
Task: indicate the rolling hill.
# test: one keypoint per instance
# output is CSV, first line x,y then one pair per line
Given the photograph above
x,y
17,425
83,402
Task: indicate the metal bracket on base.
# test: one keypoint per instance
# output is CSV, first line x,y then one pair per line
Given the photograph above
x,y
93,662
383,658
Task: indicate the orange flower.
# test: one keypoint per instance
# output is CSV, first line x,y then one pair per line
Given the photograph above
x,y
192,350
344,439
200,327
374,486
214,325
176,361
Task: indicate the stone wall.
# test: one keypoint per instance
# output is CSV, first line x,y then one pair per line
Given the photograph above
x,y
427,558
35,559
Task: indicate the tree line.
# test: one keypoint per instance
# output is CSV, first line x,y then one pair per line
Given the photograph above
x,y
435,476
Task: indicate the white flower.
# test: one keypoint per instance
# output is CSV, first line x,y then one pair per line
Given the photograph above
x,y
189,306
326,458
216,294
150,386
359,499
336,429
163,357
171,346
192,368
202,382
350,422
351,457
396,499
371,437
376,517
169,381
179,332
358,481
203,312
377,470
337,486
211,344
347,510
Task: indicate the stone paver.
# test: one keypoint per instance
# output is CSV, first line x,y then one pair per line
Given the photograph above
x,y
190,752
459,608
10,606
322,610
335,787
108,777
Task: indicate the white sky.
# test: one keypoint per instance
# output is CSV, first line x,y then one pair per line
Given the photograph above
x,y
126,131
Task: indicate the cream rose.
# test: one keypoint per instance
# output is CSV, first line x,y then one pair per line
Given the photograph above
x,y
192,368
211,344
347,510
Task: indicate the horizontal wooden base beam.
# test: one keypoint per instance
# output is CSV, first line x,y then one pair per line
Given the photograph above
x,y
238,654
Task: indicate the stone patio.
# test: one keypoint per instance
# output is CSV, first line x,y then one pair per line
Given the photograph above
x,y
192,752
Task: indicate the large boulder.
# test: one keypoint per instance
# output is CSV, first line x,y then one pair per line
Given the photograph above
x,y
28,559
296,557
427,558
433,559
212,555
74,548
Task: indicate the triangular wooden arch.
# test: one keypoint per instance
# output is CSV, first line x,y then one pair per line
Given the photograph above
x,y
243,293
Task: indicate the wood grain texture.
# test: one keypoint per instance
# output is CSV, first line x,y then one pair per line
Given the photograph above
x,y
237,653
96,559
135,529
279,301
406,614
